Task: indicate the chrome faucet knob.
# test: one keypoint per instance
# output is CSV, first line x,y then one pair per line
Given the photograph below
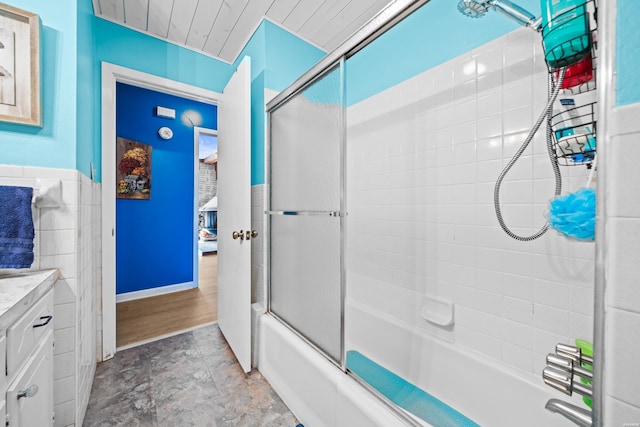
x,y
573,353
558,379
560,362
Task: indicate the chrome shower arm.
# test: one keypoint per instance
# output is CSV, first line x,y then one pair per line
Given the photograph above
x,y
517,13
479,8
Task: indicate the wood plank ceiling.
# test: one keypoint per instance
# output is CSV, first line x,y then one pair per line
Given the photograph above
x,y
220,28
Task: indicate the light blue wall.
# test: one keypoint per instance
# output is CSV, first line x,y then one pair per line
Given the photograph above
x,y
88,93
122,46
627,52
278,58
70,137
255,49
287,57
434,34
53,145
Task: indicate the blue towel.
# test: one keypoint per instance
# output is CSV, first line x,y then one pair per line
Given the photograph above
x,y
16,227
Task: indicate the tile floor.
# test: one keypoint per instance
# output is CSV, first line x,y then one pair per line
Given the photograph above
x,y
191,379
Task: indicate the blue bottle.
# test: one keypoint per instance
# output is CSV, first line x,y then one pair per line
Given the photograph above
x,y
565,31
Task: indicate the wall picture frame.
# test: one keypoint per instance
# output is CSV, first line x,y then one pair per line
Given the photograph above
x,y
133,169
20,100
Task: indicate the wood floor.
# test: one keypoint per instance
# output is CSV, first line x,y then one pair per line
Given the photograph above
x,y
148,318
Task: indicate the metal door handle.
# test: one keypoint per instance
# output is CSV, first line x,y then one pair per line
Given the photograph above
x,y
244,235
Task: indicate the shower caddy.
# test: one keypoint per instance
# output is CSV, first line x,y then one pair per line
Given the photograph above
x,y
574,126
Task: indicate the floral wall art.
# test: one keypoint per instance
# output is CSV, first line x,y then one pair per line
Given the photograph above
x,y
133,174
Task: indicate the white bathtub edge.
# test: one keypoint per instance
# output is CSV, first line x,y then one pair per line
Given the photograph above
x,y
317,392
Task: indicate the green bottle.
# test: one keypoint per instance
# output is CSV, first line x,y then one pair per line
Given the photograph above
x,y
565,31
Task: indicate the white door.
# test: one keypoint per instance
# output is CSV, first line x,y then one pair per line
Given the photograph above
x,y
234,213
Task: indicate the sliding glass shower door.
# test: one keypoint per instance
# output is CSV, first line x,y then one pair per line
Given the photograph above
x,y
306,212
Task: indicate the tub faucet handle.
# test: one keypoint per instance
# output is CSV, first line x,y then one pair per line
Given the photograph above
x,y
558,379
573,353
569,365
563,381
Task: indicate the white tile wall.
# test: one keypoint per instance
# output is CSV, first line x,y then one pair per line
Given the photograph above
x,y
622,295
423,158
258,283
88,255
67,238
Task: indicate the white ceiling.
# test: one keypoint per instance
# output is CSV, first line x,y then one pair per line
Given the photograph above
x,y
221,28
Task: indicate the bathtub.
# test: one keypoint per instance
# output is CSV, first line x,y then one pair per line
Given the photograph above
x,y
320,394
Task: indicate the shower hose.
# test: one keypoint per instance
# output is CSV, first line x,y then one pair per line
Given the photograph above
x,y
553,94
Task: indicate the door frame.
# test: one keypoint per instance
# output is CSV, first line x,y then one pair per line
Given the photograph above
x,y
112,74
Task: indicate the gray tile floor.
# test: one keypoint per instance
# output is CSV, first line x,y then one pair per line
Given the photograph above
x,y
191,379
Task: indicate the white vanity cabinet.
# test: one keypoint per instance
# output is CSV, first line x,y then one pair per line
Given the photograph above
x,y
3,378
30,394
26,353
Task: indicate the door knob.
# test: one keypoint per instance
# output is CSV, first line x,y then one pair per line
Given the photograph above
x,y
244,235
250,234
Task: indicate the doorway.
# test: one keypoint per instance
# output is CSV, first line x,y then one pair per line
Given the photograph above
x,y
142,320
111,75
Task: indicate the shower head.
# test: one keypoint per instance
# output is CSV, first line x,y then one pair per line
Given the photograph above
x,y
473,8
479,8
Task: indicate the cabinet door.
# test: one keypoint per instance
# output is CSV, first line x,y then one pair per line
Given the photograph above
x,y
30,395
24,333
3,362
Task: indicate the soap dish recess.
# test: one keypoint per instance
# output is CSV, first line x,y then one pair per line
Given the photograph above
x,y
438,311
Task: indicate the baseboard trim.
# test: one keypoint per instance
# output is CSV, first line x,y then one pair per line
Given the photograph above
x,y
146,293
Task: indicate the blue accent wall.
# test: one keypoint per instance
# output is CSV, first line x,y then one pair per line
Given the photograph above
x,y
627,52
54,144
155,238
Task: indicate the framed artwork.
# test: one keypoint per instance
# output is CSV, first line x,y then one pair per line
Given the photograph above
x,y
19,66
133,169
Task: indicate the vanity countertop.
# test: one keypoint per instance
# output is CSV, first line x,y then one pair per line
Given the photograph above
x,y
19,290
